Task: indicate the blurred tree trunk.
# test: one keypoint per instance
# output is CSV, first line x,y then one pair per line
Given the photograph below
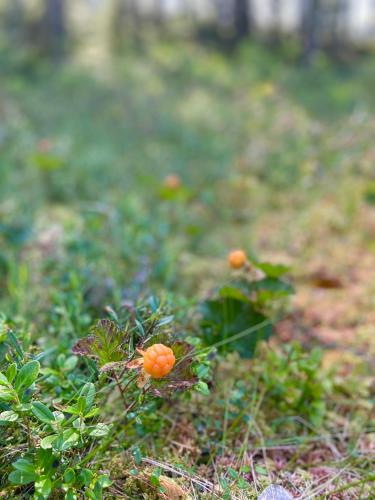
x,y
14,20
243,19
54,28
310,19
338,26
136,22
160,13
276,21
224,18
125,24
117,25
188,11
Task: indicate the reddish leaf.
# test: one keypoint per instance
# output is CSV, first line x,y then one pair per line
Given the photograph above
x,y
84,346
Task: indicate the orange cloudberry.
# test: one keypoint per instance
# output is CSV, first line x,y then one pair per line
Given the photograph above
x,y
172,181
158,360
237,259
45,145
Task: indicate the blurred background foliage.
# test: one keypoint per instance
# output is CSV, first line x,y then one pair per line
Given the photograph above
x,y
306,26
251,104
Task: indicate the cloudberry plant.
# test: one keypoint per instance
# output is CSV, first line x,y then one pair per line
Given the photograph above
x,y
240,313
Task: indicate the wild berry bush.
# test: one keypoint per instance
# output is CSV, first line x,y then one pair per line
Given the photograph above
x,y
53,410
240,313
54,404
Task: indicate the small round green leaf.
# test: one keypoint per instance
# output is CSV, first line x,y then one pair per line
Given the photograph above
x,y
42,412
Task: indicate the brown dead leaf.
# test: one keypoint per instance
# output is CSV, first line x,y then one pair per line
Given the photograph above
x,y
135,363
172,490
324,279
142,379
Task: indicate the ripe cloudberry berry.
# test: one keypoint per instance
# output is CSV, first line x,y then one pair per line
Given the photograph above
x,y
237,259
172,181
158,360
45,145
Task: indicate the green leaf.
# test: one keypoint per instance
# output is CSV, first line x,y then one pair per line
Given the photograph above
x,y
24,465
60,442
11,372
273,285
70,363
45,459
242,484
154,478
42,412
8,416
272,270
81,404
233,473
47,161
104,481
22,408
65,441
6,395
137,455
72,410
43,486
202,371
48,441
261,470
70,495
92,413
27,376
79,423
20,477
202,387
4,380
88,392
226,321
233,292
69,475
85,476
100,430
140,328
165,321
12,339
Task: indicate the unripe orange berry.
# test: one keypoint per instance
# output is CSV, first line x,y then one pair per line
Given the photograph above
x,y
172,181
237,259
158,360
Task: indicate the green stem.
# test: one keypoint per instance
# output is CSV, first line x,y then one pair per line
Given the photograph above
x,y
122,393
368,479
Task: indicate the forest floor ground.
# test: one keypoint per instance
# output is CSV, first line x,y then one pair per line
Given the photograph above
x,y
273,158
